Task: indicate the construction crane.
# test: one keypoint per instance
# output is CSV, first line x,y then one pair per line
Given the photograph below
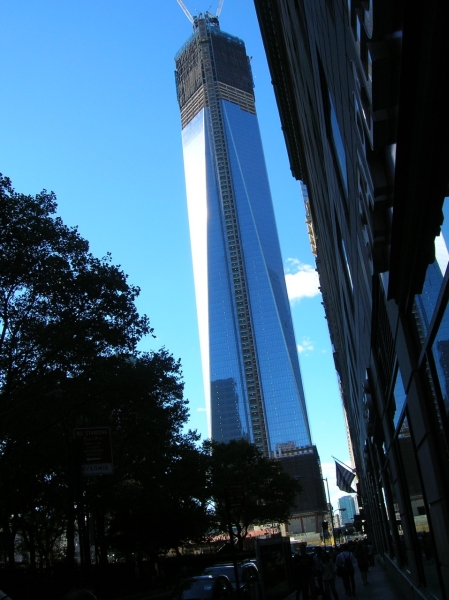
x,y
186,10
219,7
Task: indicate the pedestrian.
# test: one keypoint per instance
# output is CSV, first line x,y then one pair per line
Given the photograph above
x,y
304,570
318,562
345,569
427,546
329,577
370,548
361,555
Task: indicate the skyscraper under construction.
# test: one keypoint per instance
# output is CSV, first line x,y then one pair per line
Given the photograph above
x,y
249,355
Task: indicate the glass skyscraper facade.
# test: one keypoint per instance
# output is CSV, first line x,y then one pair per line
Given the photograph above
x,y
347,504
249,355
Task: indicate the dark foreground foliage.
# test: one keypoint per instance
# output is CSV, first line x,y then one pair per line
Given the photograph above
x,y
69,330
269,492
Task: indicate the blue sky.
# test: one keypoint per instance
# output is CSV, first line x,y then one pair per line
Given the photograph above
x,y
89,111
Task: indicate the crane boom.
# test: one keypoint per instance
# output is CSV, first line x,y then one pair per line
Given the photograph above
x,y
186,10
219,7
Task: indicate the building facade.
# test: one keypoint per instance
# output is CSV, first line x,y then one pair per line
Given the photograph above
x,y
251,370
359,90
346,505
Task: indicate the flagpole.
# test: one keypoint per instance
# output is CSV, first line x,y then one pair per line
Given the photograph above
x,y
344,464
331,511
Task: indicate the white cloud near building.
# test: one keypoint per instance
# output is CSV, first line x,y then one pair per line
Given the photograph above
x,y
301,279
306,345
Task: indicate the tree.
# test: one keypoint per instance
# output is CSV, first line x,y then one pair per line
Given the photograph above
x,y
69,330
269,492
159,484
61,308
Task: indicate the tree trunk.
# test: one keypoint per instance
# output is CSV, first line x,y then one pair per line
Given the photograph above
x,y
9,544
70,552
101,540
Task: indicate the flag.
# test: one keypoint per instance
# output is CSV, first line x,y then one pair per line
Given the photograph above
x,y
344,479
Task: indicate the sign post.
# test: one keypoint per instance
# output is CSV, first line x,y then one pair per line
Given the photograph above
x,y
234,498
93,457
94,450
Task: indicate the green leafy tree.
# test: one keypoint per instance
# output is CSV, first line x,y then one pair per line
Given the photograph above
x,y
269,492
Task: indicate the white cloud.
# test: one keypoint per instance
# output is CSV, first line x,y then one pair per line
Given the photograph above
x,y
201,409
301,279
305,346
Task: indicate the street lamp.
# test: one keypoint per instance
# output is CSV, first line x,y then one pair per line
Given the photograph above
x,y
331,509
341,525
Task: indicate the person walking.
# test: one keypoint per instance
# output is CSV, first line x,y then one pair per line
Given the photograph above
x,y
318,561
328,575
304,570
345,569
361,555
370,548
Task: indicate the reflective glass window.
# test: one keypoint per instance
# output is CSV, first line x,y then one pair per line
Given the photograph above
x,y
440,351
338,144
418,540
399,398
280,378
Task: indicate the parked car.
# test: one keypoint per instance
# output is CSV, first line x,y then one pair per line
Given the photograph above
x,y
205,587
248,577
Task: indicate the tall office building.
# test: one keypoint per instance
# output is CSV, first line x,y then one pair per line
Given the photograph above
x,y
359,90
347,504
249,354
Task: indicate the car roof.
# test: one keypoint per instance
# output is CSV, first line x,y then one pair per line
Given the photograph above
x,y
207,576
230,565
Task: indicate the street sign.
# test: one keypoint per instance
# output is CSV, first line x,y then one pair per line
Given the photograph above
x,y
94,450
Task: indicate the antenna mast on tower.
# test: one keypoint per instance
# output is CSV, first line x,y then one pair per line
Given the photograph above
x,y
186,10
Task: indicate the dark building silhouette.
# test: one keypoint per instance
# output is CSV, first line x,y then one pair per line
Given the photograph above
x,y
359,86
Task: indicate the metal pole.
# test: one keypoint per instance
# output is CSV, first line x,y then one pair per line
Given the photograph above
x,y
331,511
231,540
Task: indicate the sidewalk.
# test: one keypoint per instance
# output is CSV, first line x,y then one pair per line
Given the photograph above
x,y
380,586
